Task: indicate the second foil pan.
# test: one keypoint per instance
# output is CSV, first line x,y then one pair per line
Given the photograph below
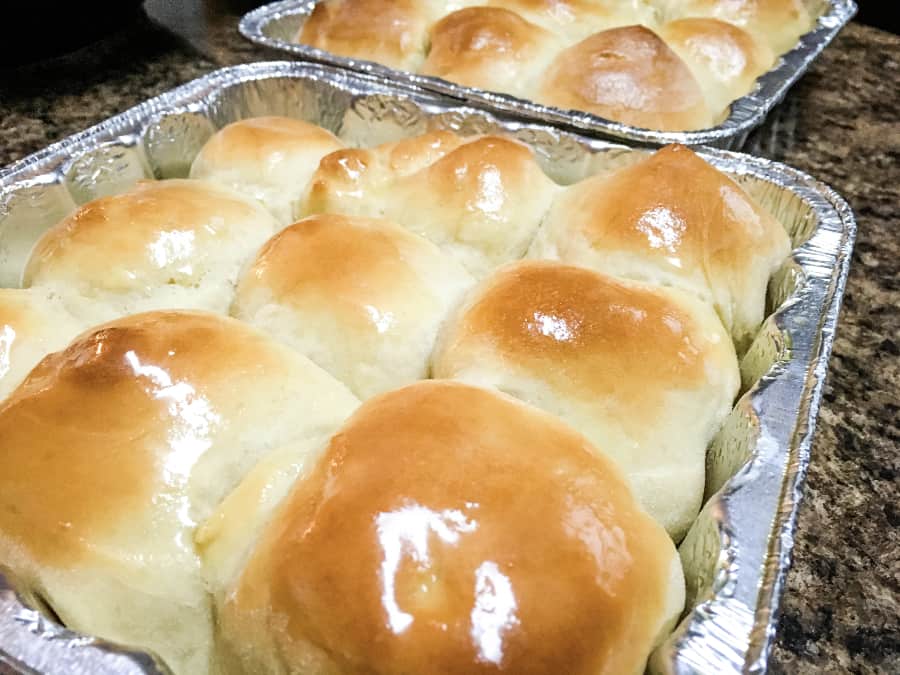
x,y
274,26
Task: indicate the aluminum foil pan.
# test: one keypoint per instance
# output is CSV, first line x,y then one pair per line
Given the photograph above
x,y
736,554
275,25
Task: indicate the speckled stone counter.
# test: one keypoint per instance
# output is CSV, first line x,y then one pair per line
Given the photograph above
x,y
842,602
841,610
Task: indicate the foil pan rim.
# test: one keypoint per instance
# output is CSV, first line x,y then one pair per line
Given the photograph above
x,y
747,112
185,96
732,628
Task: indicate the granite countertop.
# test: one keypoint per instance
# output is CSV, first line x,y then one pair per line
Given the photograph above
x,y
841,607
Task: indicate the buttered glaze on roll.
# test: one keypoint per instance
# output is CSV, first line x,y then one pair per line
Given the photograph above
x,y
574,20
448,529
362,298
270,159
115,448
724,59
489,48
161,245
628,75
779,23
353,181
393,32
672,219
479,199
32,324
647,373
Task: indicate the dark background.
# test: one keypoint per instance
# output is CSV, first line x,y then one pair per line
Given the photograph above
x,y
879,13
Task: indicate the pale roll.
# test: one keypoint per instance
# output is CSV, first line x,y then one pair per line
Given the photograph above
x,y
362,298
778,23
161,245
32,324
574,20
648,374
479,199
270,159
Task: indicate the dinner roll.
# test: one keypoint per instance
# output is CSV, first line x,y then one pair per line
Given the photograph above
x,y
449,529
115,448
628,75
163,244
490,48
32,325
778,23
724,59
362,298
355,181
392,32
268,158
576,19
646,373
672,219
479,199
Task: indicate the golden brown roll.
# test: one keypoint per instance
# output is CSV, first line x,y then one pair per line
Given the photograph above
x,y
596,56
115,448
724,59
270,159
479,199
362,298
163,244
778,23
448,529
32,325
628,75
647,373
490,48
392,32
672,220
574,20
